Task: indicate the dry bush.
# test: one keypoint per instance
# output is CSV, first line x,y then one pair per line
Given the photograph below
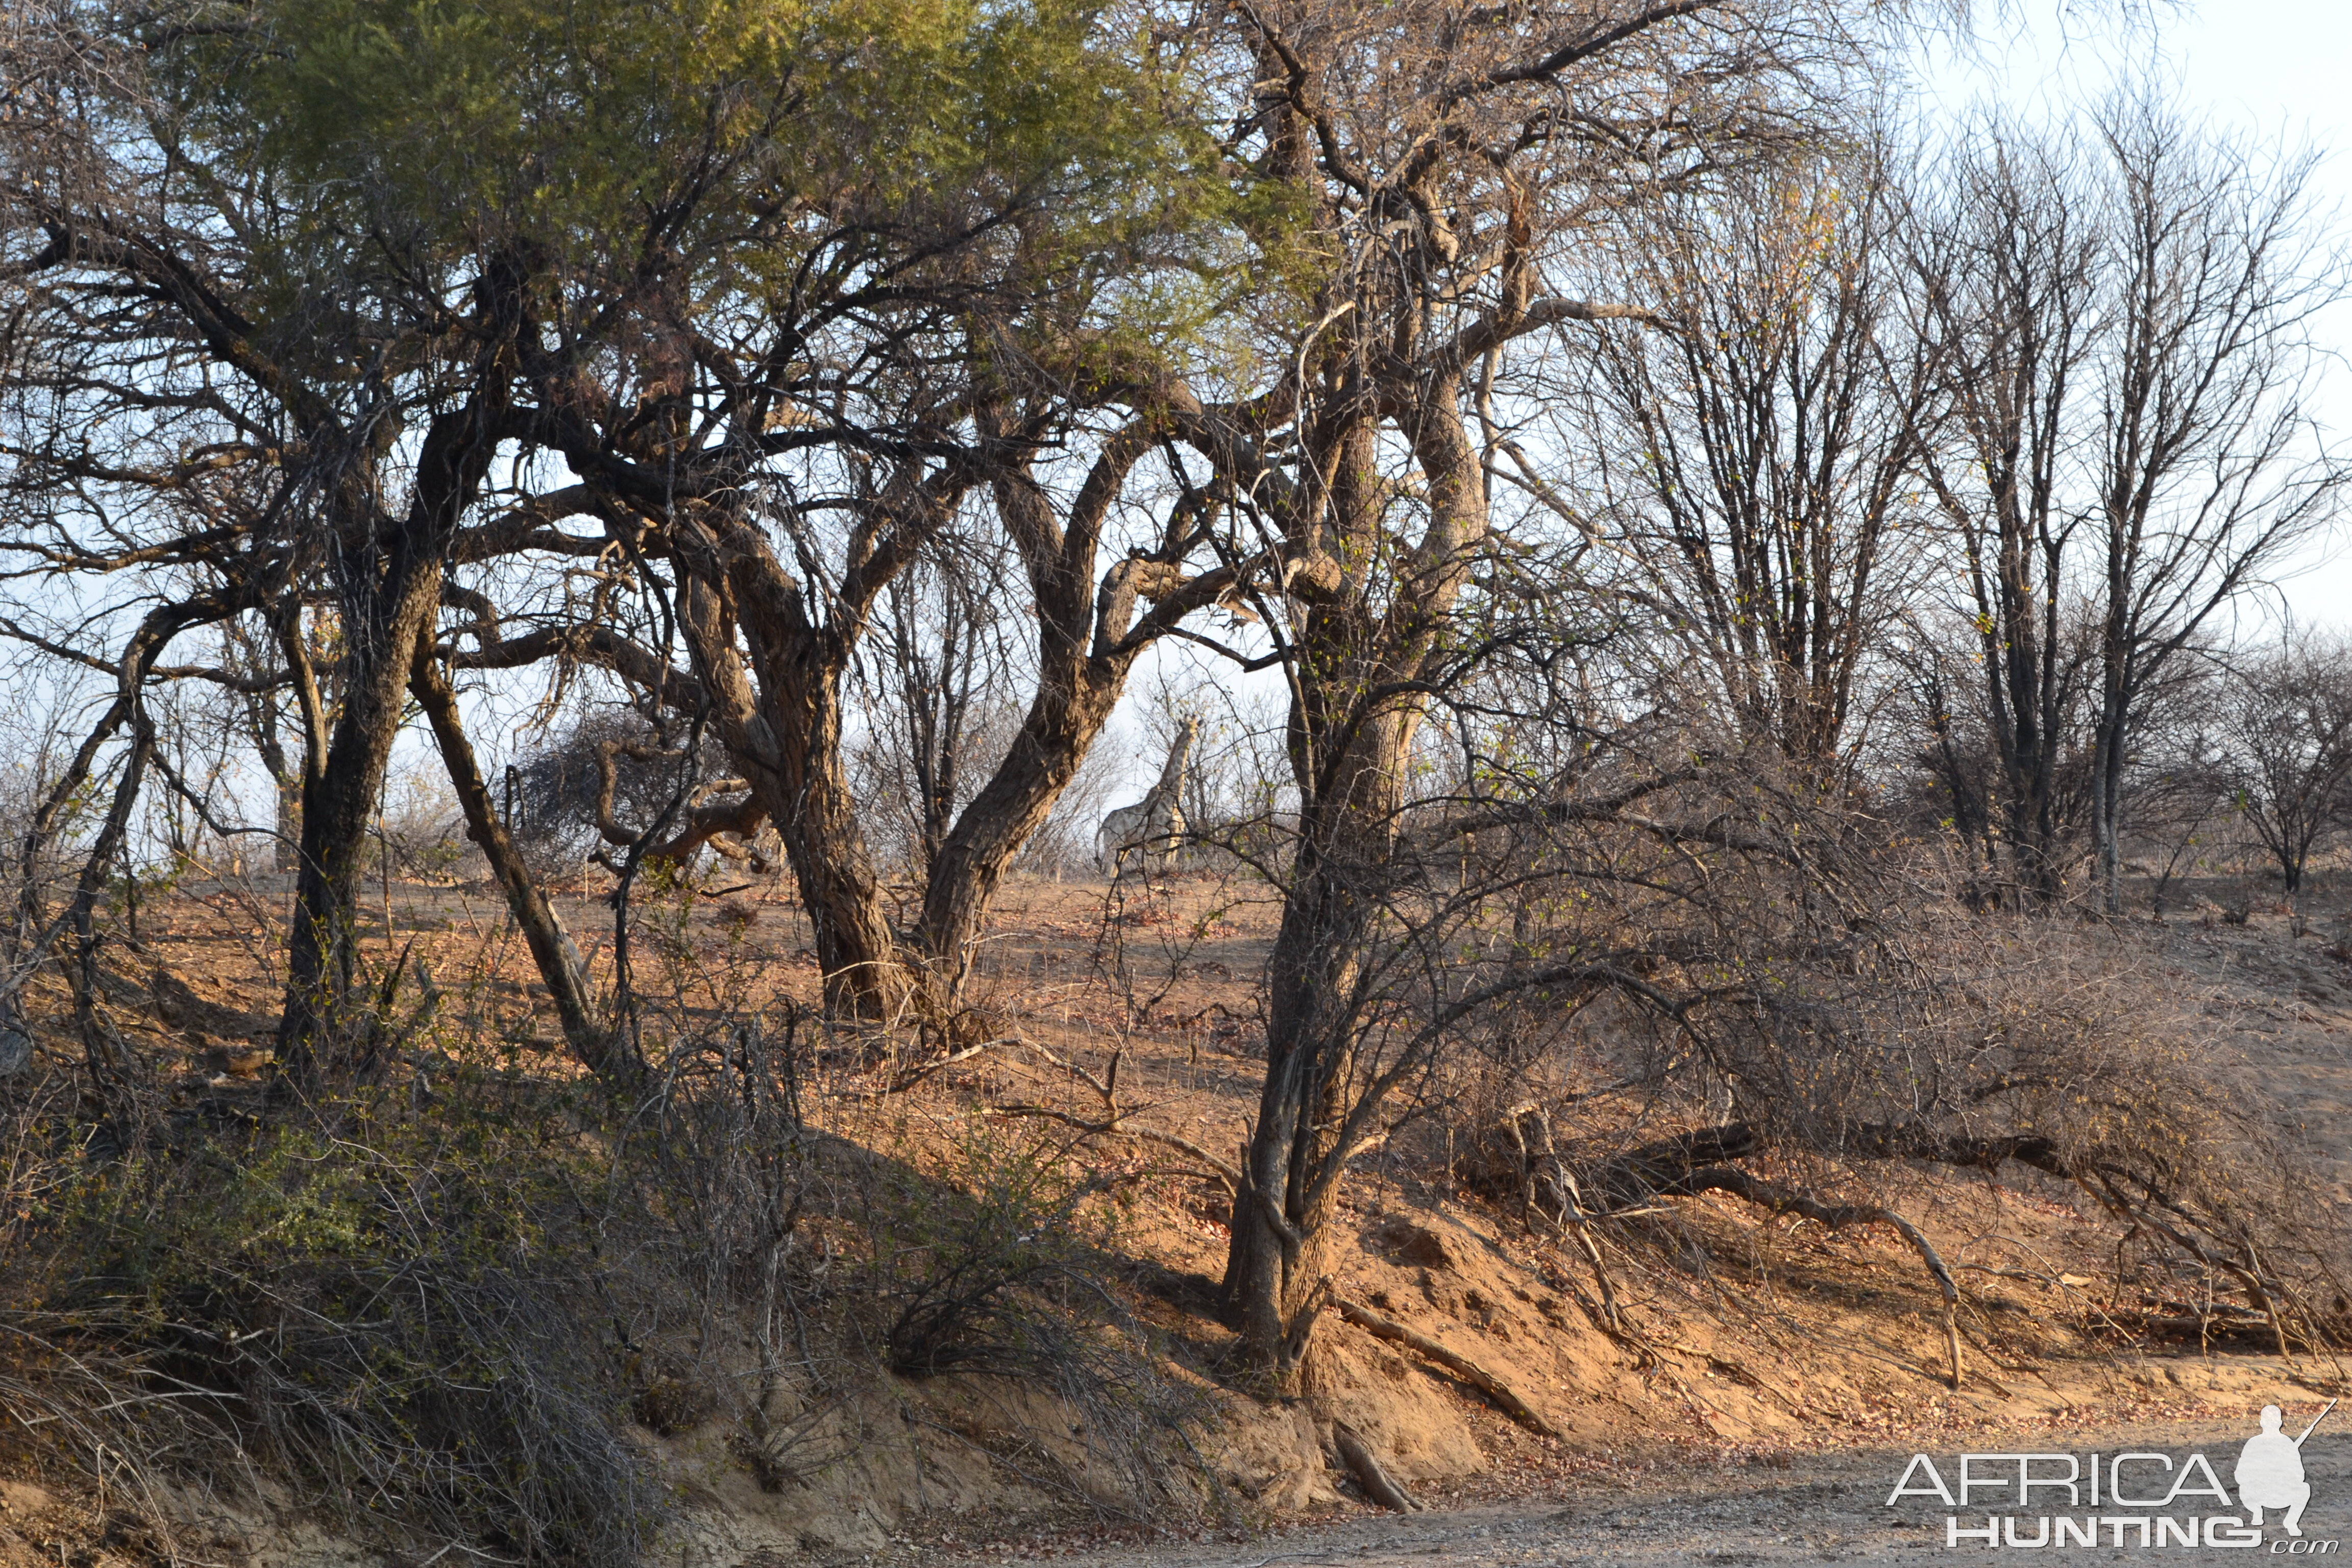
x,y
431,1318
551,795
996,1254
76,1402
388,1315
1821,1044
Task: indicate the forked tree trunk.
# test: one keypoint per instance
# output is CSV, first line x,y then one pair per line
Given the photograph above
x,y
1084,653
390,602
785,736
323,946
1351,752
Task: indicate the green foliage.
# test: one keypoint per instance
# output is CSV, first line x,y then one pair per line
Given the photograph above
x,y
725,129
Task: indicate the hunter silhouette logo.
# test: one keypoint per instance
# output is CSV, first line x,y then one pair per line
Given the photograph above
x,y
2269,1470
2142,1499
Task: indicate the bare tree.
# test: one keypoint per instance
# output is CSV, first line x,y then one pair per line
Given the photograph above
x,y
2016,796
1760,456
2210,471
936,699
2128,441
2285,727
2009,271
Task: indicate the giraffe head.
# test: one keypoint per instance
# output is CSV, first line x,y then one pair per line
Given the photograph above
x,y
1179,753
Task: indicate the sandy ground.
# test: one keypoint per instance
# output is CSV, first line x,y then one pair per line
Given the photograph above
x,y
1812,1507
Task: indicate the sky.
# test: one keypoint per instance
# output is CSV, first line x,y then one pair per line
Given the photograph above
x,y
2279,69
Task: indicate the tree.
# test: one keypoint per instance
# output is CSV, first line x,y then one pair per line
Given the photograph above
x,y
1760,455
2128,429
2015,794
2286,738
2208,469
934,696
2009,271
285,274
1445,162
858,379
711,263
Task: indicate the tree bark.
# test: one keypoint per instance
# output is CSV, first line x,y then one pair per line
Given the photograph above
x,y
561,968
2106,791
817,815
390,595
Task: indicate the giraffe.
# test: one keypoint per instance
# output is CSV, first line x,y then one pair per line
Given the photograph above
x,y
1152,825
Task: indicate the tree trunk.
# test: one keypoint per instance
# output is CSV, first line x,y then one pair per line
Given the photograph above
x,y
112,1069
785,736
322,949
599,1048
1064,720
1276,1267
1349,751
391,596
2107,865
285,846
1275,1262
817,815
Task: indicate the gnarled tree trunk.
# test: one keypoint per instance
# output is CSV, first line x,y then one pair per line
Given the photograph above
x,y
785,733
391,596
1355,711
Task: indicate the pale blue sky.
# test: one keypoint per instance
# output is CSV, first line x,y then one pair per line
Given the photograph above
x,y
2276,68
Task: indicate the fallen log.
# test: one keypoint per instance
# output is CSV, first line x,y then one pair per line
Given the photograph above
x,y
1461,1366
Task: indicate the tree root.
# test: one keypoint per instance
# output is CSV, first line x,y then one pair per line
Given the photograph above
x,y
1461,1366
1379,1485
1541,1166
1836,1216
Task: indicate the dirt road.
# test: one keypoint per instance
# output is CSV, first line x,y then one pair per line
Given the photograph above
x,y
1827,1507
